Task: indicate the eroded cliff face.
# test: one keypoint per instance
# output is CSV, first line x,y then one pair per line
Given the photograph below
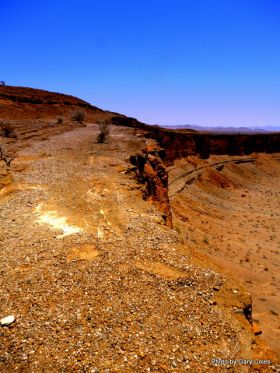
x,y
179,145
165,146
150,171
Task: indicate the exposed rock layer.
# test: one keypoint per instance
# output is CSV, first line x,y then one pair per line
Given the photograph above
x,y
151,172
179,145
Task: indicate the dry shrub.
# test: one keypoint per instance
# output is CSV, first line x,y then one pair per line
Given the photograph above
x,y
78,116
6,130
60,120
103,132
4,156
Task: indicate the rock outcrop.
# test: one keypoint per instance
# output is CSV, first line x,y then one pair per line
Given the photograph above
x,y
150,171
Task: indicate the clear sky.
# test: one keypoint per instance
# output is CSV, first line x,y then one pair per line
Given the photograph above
x,y
203,62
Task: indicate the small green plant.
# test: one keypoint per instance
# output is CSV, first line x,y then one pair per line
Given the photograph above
x,y
103,132
78,116
177,228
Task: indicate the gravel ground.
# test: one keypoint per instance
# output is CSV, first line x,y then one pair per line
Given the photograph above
x,y
92,275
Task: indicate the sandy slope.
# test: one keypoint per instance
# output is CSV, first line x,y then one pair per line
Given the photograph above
x,y
232,217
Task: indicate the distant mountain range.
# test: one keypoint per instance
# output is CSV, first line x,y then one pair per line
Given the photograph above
x,y
263,129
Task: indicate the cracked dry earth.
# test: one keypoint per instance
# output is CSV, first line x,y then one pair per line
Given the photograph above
x,y
93,276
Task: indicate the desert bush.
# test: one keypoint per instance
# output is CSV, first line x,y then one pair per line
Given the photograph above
x,y
4,156
6,130
78,116
103,132
60,120
206,240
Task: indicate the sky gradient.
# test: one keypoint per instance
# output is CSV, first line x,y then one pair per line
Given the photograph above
x,y
200,62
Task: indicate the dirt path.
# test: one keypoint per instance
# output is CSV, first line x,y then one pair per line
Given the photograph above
x,y
92,275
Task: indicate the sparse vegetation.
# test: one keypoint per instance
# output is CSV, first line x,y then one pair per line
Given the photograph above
x,y
60,120
206,240
5,131
78,116
4,154
103,132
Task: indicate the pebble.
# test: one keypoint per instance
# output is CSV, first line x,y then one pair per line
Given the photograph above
x,y
6,321
174,364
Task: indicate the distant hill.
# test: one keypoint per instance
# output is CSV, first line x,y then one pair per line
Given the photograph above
x,y
218,129
20,103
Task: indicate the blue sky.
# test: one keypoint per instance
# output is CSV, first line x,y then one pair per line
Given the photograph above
x,y
201,62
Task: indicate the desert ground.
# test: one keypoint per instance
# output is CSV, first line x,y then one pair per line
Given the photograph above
x,y
113,266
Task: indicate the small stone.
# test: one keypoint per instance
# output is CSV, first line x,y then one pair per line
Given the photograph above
x,y
6,321
256,329
174,364
238,310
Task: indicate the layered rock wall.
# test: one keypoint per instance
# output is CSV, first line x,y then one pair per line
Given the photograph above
x,y
179,145
151,173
